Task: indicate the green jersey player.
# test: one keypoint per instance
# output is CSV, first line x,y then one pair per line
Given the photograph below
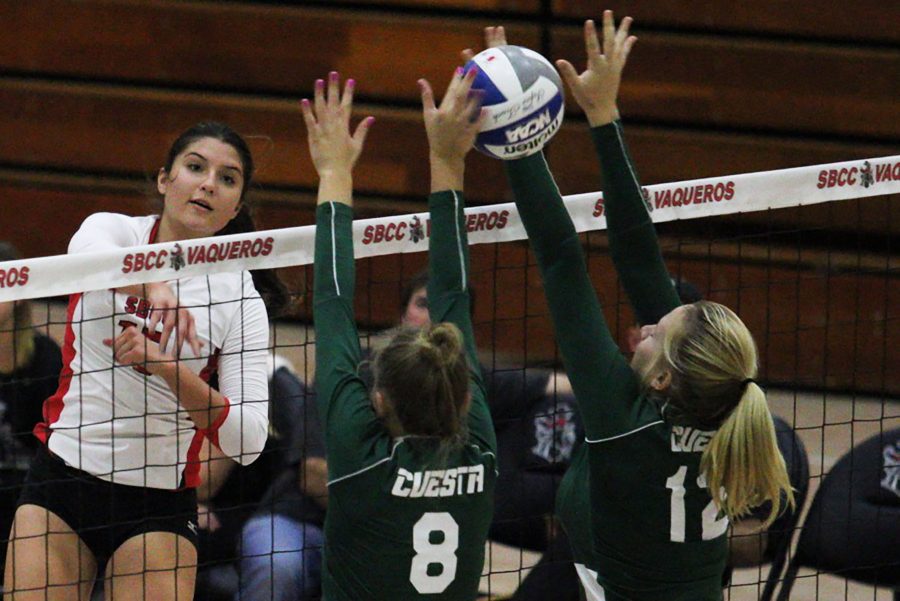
x,y
684,418
412,467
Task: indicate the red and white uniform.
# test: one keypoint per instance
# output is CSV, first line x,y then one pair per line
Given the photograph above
x,y
121,425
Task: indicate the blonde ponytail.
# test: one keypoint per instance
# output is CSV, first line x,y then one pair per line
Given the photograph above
x,y
713,358
743,461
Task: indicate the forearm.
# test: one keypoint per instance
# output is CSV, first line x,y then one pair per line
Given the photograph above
x,y
634,246
540,206
203,403
337,343
215,468
585,342
448,264
314,480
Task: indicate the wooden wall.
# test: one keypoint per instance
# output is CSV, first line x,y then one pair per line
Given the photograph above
x,y
93,91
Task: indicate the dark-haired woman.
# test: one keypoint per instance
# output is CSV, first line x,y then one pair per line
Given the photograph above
x,y
112,488
680,440
411,467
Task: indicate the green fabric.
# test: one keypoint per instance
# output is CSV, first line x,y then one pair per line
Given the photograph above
x,y
617,500
383,493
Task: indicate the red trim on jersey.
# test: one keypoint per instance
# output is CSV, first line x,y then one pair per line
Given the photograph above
x,y
53,406
191,475
154,231
212,432
211,367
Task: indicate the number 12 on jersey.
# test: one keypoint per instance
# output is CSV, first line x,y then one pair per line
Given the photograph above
x,y
440,554
713,526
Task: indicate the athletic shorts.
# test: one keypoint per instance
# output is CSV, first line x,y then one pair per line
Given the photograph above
x,y
104,514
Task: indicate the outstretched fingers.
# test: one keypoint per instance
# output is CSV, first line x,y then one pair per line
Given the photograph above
x,y
333,89
427,95
591,42
362,130
622,32
347,97
319,98
494,36
308,117
568,72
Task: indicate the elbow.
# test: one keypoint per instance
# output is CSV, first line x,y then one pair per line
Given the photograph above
x,y
253,443
245,443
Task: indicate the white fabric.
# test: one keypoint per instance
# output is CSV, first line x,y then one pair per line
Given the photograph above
x,y
123,426
592,589
800,186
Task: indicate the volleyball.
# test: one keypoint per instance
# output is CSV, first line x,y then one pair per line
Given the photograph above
x,y
523,95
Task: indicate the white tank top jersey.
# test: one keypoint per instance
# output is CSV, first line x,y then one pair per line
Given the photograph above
x,y
124,426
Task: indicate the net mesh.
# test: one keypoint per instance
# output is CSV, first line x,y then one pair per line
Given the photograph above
x,y
817,283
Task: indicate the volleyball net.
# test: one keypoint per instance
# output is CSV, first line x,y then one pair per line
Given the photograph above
x,y
806,256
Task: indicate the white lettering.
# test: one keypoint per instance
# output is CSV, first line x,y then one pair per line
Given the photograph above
x,y
689,440
529,128
439,483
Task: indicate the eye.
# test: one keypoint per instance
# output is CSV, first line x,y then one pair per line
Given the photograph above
x,y
229,180
194,167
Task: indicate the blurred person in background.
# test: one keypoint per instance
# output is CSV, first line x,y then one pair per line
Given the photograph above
x,y
30,363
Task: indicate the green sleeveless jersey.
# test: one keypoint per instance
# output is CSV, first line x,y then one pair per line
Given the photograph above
x,y
406,519
633,502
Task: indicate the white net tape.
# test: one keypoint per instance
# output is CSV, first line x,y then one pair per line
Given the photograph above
x,y
66,274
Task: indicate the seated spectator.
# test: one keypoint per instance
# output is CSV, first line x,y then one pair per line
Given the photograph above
x,y
30,363
281,544
231,495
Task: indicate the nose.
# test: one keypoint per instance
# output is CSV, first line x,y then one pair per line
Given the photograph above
x,y
209,184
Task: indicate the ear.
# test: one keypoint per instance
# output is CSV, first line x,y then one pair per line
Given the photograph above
x,y
634,337
662,381
162,181
378,403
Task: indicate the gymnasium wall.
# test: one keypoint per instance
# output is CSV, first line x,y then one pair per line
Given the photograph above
x,y
93,91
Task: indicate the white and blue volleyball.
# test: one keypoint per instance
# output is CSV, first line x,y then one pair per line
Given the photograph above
x,y
523,96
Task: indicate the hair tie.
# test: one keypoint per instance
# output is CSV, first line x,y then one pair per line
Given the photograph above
x,y
744,383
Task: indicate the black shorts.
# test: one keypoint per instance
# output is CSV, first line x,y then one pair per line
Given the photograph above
x,y
104,514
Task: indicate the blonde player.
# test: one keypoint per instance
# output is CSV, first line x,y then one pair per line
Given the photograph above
x,y
680,440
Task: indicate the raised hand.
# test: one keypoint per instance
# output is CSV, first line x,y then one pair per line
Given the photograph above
x,y
493,36
451,128
333,148
597,88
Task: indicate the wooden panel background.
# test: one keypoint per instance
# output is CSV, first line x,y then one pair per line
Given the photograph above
x,y
94,91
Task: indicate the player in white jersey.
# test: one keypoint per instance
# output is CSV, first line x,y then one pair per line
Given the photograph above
x,y
113,488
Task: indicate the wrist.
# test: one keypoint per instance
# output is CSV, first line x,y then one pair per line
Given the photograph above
x,y
167,369
447,173
601,115
335,186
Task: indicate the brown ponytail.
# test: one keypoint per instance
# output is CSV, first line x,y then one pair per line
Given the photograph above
x,y
424,375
